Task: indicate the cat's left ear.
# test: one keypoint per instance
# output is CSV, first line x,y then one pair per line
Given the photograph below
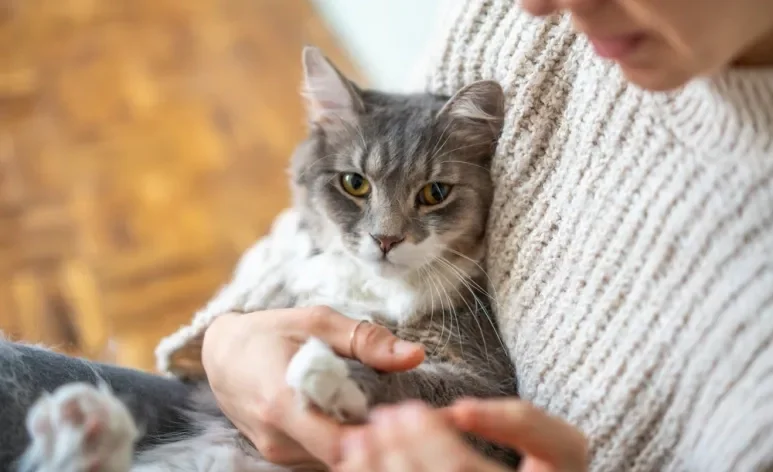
x,y
331,98
476,112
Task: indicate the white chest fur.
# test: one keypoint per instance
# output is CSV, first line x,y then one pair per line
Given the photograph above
x,y
333,278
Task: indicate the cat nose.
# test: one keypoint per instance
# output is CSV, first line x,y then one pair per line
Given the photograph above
x,y
386,243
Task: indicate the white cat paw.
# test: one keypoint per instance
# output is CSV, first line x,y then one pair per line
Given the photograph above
x,y
322,379
80,428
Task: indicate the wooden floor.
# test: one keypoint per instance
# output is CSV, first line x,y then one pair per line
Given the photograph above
x,y
143,146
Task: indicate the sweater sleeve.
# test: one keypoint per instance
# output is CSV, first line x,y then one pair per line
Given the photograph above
x,y
256,279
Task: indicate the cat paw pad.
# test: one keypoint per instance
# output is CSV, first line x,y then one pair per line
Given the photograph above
x,y
80,427
322,379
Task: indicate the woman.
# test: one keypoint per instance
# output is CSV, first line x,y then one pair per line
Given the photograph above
x,y
631,250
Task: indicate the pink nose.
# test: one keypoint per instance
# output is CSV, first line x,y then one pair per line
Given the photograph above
x,y
386,243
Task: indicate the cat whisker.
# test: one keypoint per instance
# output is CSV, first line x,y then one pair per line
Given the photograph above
x,y
473,312
443,293
431,279
452,313
458,275
317,161
439,146
469,284
471,260
467,277
453,150
467,163
332,178
351,127
489,318
492,296
425,269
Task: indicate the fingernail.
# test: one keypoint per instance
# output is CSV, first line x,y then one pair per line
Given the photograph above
x,y
405,348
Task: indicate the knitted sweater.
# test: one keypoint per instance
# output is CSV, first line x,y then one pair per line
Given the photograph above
x,y
631,245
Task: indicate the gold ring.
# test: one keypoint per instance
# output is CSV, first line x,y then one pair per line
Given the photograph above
x,y
354,333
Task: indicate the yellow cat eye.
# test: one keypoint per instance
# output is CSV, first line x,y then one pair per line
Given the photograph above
x,y
433,193
355,184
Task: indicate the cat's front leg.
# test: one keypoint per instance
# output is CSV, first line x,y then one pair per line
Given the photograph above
x,y
322,379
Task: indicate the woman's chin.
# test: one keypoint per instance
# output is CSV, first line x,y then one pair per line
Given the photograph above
x,y
656,79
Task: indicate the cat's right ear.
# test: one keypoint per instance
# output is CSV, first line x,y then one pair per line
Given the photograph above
x,y
331,99
476,112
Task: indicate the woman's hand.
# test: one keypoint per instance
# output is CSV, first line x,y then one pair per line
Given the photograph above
x,y
246,356
413,438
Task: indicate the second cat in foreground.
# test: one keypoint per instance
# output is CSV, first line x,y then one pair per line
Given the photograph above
x,y
391,196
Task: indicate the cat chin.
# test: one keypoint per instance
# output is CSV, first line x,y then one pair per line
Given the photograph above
x,y
399,267
388,270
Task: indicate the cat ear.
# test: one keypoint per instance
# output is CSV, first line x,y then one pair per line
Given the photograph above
x,y
476,112
330,97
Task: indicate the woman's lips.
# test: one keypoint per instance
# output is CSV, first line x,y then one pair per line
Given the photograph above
x,y
616,47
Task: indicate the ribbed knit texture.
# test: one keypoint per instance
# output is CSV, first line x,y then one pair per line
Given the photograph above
x,y
631,245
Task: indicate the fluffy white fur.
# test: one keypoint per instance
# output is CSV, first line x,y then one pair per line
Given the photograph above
x,y
322,379
80,428
348,283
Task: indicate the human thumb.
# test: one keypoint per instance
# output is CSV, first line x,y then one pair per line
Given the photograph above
x,y
372,344
523,426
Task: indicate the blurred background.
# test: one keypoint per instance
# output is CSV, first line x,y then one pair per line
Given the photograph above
x,y
143,147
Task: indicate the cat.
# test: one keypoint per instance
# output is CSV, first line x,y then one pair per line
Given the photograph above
x,y
390,201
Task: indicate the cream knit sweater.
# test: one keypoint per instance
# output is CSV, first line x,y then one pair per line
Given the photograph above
x,y
631,246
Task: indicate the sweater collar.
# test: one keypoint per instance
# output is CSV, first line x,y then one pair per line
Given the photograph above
x,y
730,114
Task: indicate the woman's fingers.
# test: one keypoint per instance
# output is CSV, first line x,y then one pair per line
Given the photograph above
x,y
372,344
274,445
318,434
410,438
524,427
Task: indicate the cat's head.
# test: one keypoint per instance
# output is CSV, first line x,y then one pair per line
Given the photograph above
x,y
398,181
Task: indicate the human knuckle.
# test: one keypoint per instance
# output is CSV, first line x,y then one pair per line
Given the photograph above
x,y
271,449
267,411
263,413
371,334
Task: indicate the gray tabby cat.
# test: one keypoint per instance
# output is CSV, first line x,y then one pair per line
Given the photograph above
x,y
391,195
